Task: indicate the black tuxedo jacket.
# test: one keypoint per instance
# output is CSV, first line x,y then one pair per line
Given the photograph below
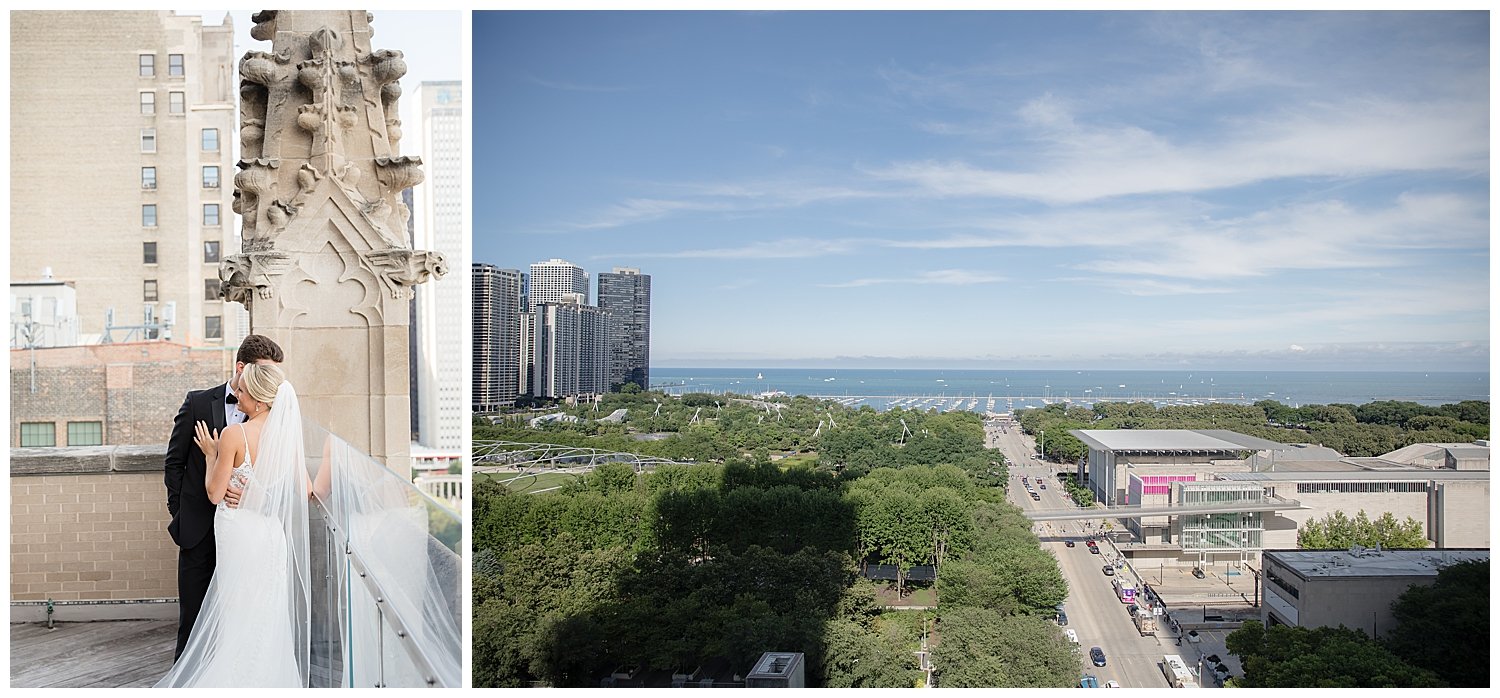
x,y
187,497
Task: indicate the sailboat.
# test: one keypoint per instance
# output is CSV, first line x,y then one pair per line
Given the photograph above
x,y
759,377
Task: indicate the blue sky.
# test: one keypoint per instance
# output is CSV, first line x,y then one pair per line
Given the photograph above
x,y
1028,189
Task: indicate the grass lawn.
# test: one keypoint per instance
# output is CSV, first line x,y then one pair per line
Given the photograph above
x,y
800,458
919,596
531,483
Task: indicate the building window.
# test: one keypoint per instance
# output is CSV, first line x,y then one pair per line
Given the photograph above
x,y
148,253
38,434
85,433
210,176
210,289
210,214
148,65
148,215
148,103
174,65
177,102
210,251
210,139
213,327
149,292
148,177
148,140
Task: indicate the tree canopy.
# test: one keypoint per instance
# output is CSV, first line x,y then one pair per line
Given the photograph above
x,y
1440,626
1296,657
1338,530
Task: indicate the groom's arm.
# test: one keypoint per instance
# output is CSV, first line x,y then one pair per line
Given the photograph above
x,y
178,449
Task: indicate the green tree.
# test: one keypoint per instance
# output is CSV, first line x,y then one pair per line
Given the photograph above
x,y
1438,626
1297,657
980,648
1337,530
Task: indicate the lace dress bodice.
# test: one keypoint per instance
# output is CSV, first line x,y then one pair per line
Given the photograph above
x,y
240,476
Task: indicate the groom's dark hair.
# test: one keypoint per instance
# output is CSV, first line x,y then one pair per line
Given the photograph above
x,y
257,347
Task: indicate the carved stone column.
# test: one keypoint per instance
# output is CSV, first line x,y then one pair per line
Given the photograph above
x,y
325,268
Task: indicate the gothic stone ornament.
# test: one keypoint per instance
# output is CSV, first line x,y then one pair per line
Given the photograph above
x,y
245,277
402,269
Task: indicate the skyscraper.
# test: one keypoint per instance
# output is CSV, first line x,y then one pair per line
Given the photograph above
x,y
497,337
121,152
443,418
570,357
626,295
553,279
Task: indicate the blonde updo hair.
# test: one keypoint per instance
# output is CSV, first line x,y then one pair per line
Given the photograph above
x,y
262,381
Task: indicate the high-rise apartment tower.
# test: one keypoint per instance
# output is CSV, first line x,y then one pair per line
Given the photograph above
x,y
497,337
626,295
554,279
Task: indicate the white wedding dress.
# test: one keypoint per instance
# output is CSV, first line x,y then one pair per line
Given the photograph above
x,y
254,629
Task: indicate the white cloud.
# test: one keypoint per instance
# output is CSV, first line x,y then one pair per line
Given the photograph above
x,y
787,248
1089,162
943,277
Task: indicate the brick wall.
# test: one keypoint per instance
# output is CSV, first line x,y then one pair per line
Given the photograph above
x,y
90,524
134,390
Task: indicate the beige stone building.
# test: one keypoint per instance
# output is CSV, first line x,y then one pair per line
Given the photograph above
x,y
122,164
1353,588
1446,487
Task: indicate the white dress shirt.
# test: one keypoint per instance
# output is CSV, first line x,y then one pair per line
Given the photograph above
x,y
232,413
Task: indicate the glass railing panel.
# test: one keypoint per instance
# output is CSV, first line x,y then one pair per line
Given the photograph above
x,y
399,570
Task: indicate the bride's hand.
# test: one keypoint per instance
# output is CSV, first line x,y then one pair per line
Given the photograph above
x,y
208,442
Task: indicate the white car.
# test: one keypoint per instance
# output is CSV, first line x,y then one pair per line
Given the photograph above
x,y
1111,684
1072,635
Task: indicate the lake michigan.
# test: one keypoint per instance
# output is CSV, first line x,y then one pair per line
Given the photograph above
x,y
973,389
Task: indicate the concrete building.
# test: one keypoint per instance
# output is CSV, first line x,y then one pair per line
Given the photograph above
x,y
150,98
43,313
1444,486
571,359
497,337
626,295
552,280
1353,588
443,417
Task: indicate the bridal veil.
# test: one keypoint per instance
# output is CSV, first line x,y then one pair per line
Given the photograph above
x,y
255,626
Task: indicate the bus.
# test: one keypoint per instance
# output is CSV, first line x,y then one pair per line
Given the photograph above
x,y
1125,590
1177,672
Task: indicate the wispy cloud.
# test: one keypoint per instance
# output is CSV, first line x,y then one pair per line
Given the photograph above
x,y
943,277
1084,162
788,248
574,86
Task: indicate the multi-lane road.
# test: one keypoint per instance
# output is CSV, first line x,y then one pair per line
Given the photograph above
x,y
1094,612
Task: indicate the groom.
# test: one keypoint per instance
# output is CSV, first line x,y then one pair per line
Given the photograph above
x,y
192,526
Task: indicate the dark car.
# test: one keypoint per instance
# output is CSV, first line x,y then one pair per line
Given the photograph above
x,y
1062,618
1096,653
1071,544
1094,549
1043,485
1108,571
1198,572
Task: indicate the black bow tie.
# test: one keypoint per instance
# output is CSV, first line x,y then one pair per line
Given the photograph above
x,y
231,399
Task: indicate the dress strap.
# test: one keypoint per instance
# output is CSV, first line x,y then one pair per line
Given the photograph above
x,y
246,462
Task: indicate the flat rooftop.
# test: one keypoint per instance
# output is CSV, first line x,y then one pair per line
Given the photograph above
x,y
1167,440
1368,562
1314,473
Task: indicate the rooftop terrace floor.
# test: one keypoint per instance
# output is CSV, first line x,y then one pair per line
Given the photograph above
x,y
101,654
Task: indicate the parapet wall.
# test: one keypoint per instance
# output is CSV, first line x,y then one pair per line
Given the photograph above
x,y
89,524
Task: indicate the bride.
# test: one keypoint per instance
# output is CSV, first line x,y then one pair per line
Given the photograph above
x,y
255,623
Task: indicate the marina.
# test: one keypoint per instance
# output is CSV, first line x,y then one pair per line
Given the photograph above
x,y
991,391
